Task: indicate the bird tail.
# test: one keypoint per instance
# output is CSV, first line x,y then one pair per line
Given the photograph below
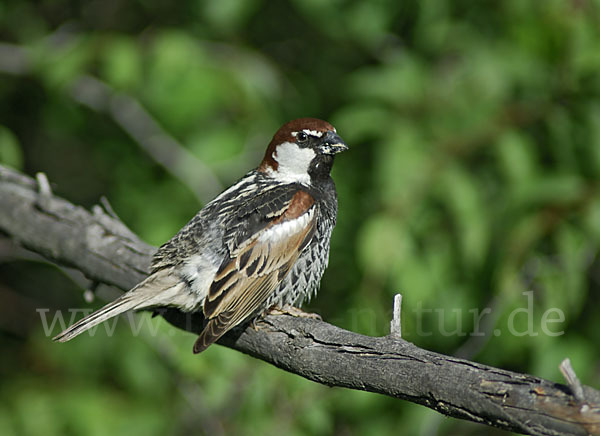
x,y
129,301
159,289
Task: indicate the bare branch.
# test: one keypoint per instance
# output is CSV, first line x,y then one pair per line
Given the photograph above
x,y
13,59
573,381
98,245
395,323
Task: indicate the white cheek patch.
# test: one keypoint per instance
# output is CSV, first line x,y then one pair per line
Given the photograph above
x,y
292,163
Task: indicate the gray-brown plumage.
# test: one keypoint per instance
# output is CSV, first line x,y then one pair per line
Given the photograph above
x,y
263,242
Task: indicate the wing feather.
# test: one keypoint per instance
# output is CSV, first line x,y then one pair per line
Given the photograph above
x,y
256,268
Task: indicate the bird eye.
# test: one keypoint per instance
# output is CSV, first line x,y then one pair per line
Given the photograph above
x,y
301,137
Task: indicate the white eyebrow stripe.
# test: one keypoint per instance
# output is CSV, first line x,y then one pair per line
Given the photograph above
x,y
309,132
313,133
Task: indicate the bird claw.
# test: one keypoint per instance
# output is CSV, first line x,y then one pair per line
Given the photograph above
x,y
288,309
254,324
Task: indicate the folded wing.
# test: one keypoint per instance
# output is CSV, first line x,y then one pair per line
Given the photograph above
x,y
256,267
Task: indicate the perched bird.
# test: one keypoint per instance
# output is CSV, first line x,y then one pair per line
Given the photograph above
x,y
262,243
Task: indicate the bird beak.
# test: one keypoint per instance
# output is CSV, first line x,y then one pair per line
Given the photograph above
x,y
332,144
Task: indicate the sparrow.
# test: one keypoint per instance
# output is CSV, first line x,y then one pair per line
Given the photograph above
x,y
261,244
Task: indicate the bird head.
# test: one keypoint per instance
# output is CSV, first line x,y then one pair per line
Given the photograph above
x,y
302,151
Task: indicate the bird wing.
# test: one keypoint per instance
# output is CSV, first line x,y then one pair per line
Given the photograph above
x,y
256,266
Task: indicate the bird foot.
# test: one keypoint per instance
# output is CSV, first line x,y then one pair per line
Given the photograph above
x,y
293,311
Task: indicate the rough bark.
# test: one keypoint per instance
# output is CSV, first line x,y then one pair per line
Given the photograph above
x,y
100,246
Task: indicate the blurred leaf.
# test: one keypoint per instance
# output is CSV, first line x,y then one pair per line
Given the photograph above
x,y
6,426
183,83
517,159
462,197
551,351
561,128
215,145
369,21
402,82
592,220
228,15
59,61
403,165
362,122
593,148
575,253
10,149
382,244
122,62
551,188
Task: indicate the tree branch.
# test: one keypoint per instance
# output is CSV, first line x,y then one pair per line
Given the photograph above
x,y
106,251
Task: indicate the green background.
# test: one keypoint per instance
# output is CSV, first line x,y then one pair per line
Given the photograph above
x,y
471,187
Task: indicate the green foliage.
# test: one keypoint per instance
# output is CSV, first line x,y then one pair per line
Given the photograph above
x,y
10,149
472,182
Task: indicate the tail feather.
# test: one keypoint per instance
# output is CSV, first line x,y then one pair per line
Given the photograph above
x,y
159,289
120,305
